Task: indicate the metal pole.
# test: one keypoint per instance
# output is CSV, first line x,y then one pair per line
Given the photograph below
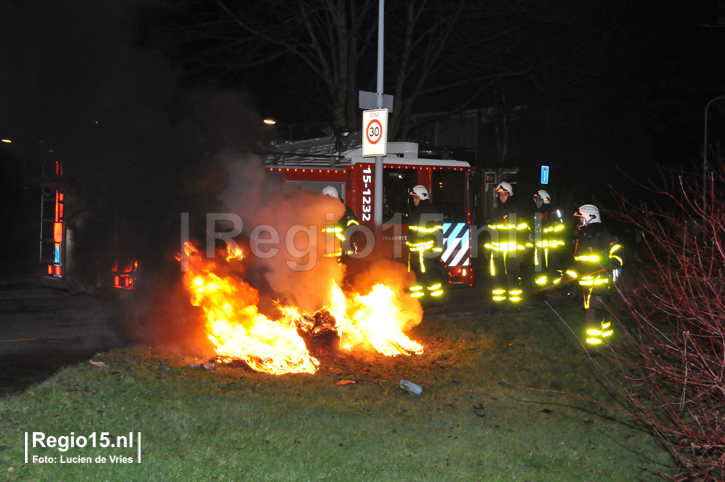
x,y
704,158
378,207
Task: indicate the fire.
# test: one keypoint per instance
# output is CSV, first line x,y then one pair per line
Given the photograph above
x,y
238,331
374,318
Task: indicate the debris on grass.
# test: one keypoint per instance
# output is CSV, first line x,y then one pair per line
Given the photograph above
x,y
411,387
98,364
344,382
546,410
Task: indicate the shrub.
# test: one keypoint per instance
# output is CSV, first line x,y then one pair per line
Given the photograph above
x,y
673,361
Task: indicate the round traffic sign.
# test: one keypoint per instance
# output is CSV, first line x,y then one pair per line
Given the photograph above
x,y
374,131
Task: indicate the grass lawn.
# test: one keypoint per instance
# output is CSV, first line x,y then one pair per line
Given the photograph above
x,y
234,424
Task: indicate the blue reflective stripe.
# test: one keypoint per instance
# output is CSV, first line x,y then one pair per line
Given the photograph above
x,y
464,249
454,234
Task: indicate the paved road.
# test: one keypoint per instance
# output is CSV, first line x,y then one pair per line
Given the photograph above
x,y
44,329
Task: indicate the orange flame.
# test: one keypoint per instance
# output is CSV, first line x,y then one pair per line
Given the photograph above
x,y
374,318
238,331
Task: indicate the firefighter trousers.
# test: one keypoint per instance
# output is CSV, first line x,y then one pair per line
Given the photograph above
x,y
505,268
595,307
429,281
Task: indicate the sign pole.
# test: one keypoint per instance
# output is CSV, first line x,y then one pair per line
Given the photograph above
x,y
378,198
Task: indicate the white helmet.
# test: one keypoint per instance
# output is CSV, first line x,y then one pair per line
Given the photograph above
x,y
331,191
420,191
544,196
504,186
589,214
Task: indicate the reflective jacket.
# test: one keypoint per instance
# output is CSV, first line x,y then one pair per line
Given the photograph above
x,y
424,222
509,228
548,228
334,244
598,256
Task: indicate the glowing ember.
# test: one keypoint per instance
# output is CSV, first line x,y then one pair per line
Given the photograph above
x,y
239,331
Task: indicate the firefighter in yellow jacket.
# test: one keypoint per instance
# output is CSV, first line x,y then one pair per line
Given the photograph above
x,y
336,243
509,235
598,259
547,238
423,250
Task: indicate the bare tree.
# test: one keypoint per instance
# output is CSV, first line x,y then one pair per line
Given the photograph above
x,y
448,54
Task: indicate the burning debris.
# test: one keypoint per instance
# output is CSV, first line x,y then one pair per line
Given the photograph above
x,y
239,331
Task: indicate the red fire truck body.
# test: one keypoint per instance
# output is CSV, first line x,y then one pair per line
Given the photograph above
x,y
447,181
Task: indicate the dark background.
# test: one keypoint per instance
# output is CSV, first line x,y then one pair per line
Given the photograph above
x,y
114,92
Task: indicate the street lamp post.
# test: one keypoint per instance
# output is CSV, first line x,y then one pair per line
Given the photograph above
x,y
704,159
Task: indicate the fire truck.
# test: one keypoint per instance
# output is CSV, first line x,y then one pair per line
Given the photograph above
x,y
316,163
61,217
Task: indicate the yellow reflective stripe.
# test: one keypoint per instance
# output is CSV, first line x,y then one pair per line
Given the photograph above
x,y
548,230
437,293
499,298
594,332
614,248
607,333
340,237
606,325
571,273
351,222
522,226
594,341
541,280
515,292
493,270
434,287
417,294
416,288
514,298
426,230
621,263
559,227
592,257
550,244
507,226
498,292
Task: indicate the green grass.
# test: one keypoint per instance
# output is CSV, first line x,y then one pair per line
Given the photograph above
x,y
233,424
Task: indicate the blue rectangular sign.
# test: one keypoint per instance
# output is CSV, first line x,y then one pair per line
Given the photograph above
x,y
544,174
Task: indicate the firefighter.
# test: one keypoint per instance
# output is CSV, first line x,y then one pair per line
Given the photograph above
x,y
598,258
423,252
547,240
335,246
509,235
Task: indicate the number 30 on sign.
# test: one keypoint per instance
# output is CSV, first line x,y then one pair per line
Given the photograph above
x,y
375,132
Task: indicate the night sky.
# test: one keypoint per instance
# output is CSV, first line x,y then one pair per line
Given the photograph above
x,y
117,104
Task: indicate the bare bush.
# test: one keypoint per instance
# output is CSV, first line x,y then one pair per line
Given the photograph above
x,y
673,361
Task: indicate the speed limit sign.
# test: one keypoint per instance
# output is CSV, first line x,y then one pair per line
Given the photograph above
x,y
375,132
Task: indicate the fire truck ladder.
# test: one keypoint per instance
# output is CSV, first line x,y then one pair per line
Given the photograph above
x,y
320,150
52,221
